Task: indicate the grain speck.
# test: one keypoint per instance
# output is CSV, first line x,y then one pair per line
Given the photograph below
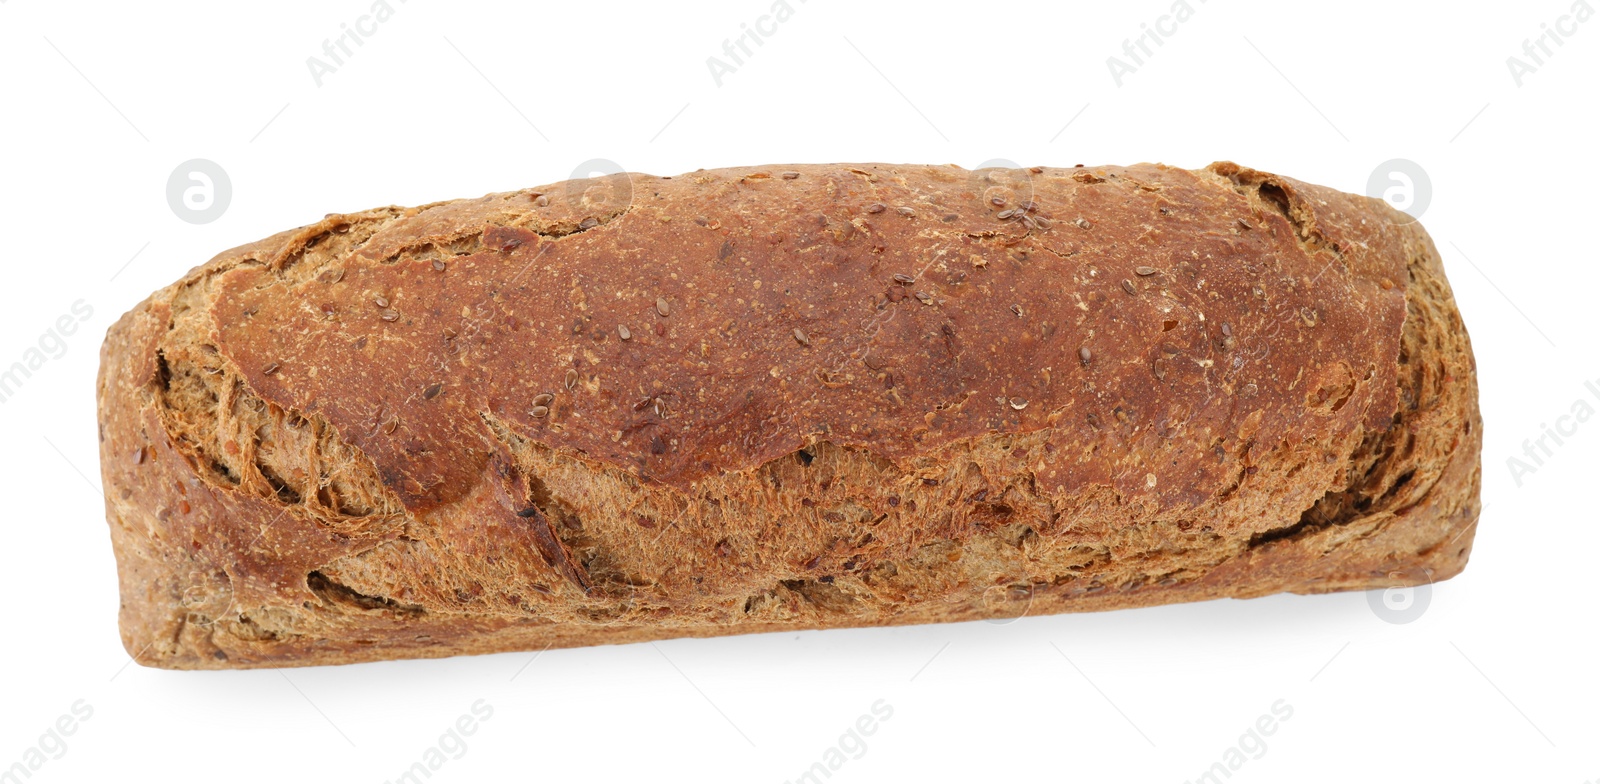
x,y
272,367
801,338
662,308
875,208
1018,403
1127,285
1082,223
571,380
539,412
543,399
390,314
791,175
432,391
903,279
622,331
1084,354
588,223
1144,271
438,265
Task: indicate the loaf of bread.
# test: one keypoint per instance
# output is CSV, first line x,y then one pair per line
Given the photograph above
x,y
784,397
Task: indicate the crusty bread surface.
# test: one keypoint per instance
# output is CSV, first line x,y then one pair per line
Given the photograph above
x,y
782,397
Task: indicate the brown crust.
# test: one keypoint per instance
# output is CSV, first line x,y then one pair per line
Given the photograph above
x,y
421,432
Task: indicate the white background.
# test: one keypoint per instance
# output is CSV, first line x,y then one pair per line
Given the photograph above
x,y
1496,681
